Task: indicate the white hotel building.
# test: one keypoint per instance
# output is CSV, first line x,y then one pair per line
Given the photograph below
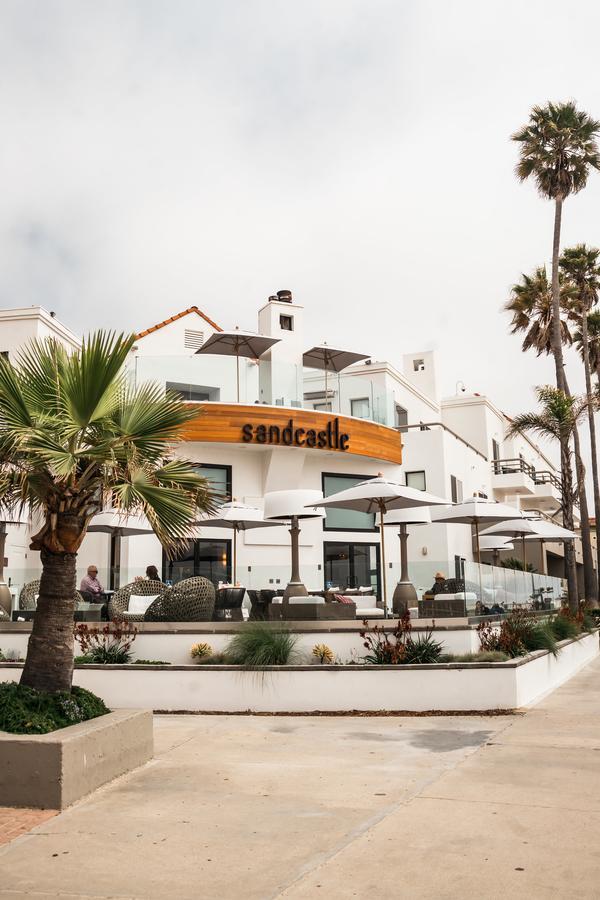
x,y
395,424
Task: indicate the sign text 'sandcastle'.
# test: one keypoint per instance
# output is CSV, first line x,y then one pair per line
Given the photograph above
x,y
290,436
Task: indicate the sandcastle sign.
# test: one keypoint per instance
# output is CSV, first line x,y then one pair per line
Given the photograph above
x,y
290,435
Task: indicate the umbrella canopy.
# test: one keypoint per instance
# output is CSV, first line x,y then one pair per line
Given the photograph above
x,y
381,494
409,516
238,343
330,359
512,528
497,542
237,517
118,523
475,511
548,531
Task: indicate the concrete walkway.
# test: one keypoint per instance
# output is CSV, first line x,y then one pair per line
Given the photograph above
x,y
262,807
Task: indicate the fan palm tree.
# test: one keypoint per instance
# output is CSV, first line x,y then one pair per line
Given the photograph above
x,y
557,420
593,330
532,312
530,303
73,431
557,148
580,264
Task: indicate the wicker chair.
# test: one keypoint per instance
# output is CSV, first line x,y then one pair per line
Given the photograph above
x,y
29,593
119,602
190,600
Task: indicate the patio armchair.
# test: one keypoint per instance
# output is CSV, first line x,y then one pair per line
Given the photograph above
x,y
260,602
190,600
29,594
118,605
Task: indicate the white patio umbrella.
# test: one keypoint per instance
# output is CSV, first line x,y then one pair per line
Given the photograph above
x,y
475,511
379,495
291,506
238,343
514,528
405,594
118,525
494,544
330,359
237,517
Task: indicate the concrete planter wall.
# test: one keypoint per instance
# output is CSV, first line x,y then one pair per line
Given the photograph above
x,y
172,643
52,771
447,687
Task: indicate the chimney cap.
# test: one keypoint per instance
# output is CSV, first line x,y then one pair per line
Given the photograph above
x,y
284,296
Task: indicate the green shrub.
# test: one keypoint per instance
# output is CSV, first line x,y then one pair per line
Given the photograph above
x,y
259,644
422,650
82,661
541,637
151,662
563,627
588,622
23,710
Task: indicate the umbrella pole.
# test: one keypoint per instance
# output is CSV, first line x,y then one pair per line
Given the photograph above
x,y
237,357
235,555
383,572
326,398
478,552
524,553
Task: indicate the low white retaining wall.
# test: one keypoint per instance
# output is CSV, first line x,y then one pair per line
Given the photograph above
x,y
449,687
174,645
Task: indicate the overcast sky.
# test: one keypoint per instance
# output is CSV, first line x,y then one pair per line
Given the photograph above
x,y
157,155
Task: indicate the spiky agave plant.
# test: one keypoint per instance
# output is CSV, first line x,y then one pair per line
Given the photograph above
x,y
72,432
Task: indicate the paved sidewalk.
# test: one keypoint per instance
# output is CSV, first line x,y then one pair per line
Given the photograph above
x,y
262,807
17,822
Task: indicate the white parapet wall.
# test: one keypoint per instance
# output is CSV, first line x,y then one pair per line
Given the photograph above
x,y
304,689
173,643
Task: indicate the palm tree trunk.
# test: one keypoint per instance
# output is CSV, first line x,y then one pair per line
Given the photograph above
x,y
590,582
565,452
49,663
567,510
592,427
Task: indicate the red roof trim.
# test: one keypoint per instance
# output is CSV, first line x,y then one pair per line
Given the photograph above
x,y
180,315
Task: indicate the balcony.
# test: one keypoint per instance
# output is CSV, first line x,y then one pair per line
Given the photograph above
x,y
518,477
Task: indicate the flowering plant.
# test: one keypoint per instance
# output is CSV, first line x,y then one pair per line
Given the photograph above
x,y
199,651
323,653
110,643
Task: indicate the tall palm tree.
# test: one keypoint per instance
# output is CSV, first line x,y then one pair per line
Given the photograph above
x,y
530,303
557,420
580,264
557,148
533,313
593,329
73,431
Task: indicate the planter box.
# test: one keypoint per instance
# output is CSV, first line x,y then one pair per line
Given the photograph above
x,y
52,771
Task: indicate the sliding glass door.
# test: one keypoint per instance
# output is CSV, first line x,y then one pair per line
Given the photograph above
x,y
351,565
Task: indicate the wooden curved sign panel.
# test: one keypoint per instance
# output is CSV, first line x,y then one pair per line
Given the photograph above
x,y
272,426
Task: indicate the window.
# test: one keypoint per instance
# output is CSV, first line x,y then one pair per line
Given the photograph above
x,y
192,392
323,407
416,480
418,365
219,478
286,323
495,449
350,565
206,557
360,408
193,340
401,417
345,519
459,568
456,489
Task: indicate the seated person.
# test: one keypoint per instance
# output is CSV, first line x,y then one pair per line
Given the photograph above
x,y
90,588
439,584
152,574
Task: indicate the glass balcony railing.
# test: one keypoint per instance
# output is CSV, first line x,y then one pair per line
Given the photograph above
x,y
205,379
